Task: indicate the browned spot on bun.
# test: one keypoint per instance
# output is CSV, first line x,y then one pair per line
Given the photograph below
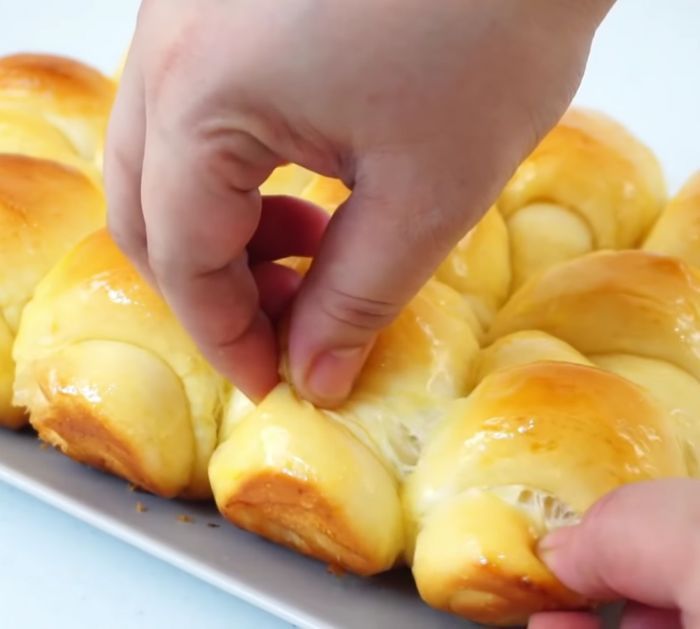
x,y
293,513
80,433
493,596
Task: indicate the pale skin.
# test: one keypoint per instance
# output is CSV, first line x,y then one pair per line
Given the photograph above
x,y
423,109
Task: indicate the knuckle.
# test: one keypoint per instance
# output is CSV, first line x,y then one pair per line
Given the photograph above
x,y
361,313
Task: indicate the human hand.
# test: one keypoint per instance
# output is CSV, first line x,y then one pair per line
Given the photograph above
x,y
423,109
640,543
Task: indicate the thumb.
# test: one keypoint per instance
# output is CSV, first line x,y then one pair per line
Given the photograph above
x,y
380,247
640,542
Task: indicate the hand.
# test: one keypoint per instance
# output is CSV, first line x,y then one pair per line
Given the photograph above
x,y
640,543
423,108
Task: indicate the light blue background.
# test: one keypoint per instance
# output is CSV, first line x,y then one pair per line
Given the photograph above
x,y
56,572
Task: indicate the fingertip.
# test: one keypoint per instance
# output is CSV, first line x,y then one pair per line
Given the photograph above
x,y
332,376
250,363
553,547
637,616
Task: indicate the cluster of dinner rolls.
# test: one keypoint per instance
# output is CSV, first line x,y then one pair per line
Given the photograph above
x,y
553,356
53,113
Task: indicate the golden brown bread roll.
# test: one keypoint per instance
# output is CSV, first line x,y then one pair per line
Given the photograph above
x,y
109,376
479,267
326,482
69,95
530,449
45,209
25,133
677,232
633,312
590,184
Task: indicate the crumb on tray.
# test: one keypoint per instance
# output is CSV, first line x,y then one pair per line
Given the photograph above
x,y
213,525
336,571
140,507
184,518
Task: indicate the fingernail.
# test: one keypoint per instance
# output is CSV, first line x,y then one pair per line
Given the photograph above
x,y
333,374
552,542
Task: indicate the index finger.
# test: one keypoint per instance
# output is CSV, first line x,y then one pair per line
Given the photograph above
x,y
201,208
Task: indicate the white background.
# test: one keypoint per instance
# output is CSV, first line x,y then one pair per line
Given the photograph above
x,y
56,572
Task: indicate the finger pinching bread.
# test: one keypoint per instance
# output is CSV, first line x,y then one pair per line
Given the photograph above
x,y
554,356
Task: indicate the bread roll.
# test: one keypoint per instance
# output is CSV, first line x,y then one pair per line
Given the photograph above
x,y
633,312
530,449
293,180
69,95
45,209
327,482
479,267
109,376
590,184
25,133
677,232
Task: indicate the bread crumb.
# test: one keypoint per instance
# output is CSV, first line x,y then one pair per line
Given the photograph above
x,y
43,445
213,525
336,571
131,487
184,518
140,507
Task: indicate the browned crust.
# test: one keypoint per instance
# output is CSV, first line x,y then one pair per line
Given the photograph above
x,y
295,514
14,420
61,77
81,433
508,599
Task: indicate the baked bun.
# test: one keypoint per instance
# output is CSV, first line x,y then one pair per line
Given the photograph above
x,y
590,184
25,133
517,458
632,312
327,482
677,232
479,267
45,209
567,409
66,94
109,376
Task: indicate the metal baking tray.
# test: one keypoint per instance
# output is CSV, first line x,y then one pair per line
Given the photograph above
x,y
196,539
